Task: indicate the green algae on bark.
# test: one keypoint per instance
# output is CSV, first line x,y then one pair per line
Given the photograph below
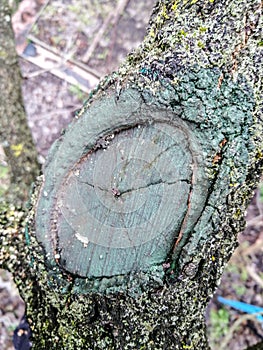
x,y
216,123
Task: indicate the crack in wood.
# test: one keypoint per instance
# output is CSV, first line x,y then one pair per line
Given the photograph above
x,y
120,193
110,217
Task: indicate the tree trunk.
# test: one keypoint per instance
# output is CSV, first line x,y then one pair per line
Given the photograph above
x,y
141,200
15,136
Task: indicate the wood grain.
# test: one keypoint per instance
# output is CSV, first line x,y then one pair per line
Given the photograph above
x,y
121,200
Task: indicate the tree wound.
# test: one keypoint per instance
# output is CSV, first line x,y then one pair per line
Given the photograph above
x,y
126,202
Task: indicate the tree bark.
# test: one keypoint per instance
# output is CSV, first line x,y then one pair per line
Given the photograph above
x,y
15,136
194,89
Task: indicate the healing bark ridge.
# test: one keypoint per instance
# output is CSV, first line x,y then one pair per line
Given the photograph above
x,y
136,190
141,199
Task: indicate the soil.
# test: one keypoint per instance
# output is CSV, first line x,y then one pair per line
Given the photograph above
x,y
70,28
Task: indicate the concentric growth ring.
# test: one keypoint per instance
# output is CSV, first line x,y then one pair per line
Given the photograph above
x,y
123,203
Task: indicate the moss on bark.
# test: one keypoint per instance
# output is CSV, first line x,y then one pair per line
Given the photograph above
x,y
15,136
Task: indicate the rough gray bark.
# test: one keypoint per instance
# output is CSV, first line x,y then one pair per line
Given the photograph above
x,y
200,66
15,136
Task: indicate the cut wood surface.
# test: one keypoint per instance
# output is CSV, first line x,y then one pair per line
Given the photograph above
x,y
128,191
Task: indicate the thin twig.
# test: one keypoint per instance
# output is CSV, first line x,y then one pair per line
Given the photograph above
x,y
119,11
86,57
37,17
252,273
234,327
255,221
257,246
112,18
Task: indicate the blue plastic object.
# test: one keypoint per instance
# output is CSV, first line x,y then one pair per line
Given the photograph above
x,y
21,337
238,305
30,50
